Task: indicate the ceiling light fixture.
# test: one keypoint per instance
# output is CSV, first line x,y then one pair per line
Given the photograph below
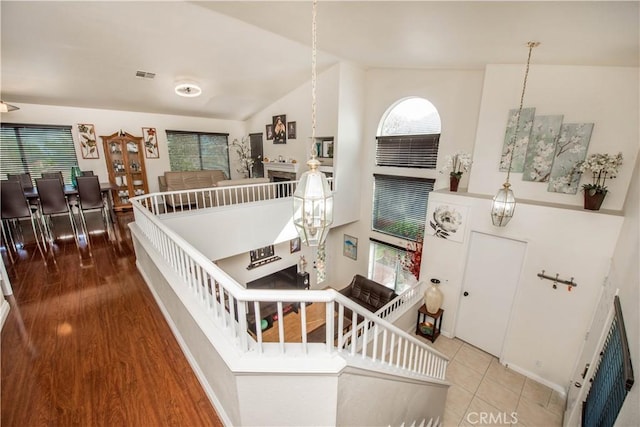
x,y
188,90
5,108
504,203
313,200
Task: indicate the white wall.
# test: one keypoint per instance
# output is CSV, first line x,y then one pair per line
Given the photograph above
x,y
107,122
236,266
296,105
626,277
605,96
226,231
456,95
571,242
340,106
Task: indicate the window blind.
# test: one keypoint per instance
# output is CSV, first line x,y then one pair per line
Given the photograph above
x,y
408,151
400,205
198,151
35,149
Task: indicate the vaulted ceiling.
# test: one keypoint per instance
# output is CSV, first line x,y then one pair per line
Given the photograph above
x,y
245,55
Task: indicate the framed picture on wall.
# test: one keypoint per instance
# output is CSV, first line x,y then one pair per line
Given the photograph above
x,y
295,244
150,143
350,247
88,143
291,130
269,132
280,129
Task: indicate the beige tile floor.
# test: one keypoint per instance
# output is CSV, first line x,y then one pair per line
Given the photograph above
x,y
481,385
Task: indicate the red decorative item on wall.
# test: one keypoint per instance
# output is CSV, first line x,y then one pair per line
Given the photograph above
x,y
413,258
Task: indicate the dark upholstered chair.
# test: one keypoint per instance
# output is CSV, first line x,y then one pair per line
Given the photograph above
x,y
57,175
52,202
87,173
91,200
24,178
14,206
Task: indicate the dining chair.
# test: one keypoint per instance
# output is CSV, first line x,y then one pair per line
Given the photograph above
x,y
91,199
24,178
86,173
57,175
14,206
53,202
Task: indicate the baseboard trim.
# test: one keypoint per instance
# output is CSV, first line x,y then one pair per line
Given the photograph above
x,y
560,389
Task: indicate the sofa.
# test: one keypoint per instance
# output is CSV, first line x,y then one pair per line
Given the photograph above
x,y
187,180
367,293
192,180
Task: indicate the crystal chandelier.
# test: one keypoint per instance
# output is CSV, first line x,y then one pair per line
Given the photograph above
x,y
504,203
313,200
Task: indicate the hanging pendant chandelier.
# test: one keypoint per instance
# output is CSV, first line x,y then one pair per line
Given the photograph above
x,y
504,203
313,200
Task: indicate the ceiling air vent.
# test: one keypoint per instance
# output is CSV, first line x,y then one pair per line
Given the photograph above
x,y
145,74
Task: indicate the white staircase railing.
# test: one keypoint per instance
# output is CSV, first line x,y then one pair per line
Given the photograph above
x,y
241,313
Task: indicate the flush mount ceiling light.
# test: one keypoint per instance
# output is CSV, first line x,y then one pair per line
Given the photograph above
x,y
189,90
313,199
5,108
504,203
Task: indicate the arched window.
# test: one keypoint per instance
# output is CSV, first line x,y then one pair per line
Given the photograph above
x,y
408,137
411,116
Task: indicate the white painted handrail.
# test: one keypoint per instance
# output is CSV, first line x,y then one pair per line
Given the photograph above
x,y
237,311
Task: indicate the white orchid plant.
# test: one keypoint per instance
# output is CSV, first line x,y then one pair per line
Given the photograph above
x,y
457,163
243,150
602,166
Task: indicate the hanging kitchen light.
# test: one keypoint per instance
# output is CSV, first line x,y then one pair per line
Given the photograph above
x,y
313,200
504,203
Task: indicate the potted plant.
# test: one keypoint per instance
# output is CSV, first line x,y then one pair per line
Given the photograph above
x,y
457,163
602,166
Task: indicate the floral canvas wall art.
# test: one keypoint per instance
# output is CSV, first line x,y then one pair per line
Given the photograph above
x,y
447,221
541,147
518,147
150,143
88,143
571,150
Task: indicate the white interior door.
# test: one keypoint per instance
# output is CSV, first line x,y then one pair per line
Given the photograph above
x,y
489,285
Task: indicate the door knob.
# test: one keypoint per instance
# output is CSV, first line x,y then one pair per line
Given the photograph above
x,y
466,294
577,384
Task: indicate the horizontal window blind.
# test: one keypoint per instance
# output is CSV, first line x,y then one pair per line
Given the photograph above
x,y
198,151
35,149
400,205
408,151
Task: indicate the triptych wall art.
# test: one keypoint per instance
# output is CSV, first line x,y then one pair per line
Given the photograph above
x,y
546,149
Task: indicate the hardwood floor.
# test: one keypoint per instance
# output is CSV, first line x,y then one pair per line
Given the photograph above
x,y
86,345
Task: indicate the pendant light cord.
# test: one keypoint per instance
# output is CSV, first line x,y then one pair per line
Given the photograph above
x,y
524,88
313,77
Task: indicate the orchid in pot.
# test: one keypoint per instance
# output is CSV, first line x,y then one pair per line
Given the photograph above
x,y
457,163
602,166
